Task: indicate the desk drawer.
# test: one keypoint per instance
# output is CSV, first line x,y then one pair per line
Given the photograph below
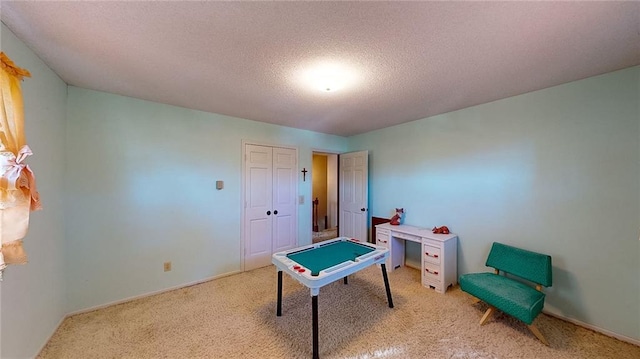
x,y
407,237
382,239
431,254
432,273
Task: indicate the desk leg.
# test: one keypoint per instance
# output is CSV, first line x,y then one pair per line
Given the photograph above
x,y
386,284
279,308
314,315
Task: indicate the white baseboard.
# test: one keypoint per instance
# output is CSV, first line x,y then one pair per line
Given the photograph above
x,y
91,309
595,329
51,335
86,310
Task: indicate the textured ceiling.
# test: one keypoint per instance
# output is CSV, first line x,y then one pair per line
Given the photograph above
x,y
410,60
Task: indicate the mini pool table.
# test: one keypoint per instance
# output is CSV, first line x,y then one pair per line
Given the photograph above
x,y
319,264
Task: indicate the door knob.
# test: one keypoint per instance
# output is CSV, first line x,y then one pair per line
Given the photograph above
x,y
268,213
275,212
362,209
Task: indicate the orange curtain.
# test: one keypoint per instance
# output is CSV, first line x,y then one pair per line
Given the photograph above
x,y
18,193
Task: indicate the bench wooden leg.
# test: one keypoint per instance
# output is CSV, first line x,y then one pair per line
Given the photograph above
x,y
537,333
487,314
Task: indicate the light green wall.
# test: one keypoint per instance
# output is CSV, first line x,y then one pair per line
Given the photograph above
x,y
555,171
32,296
141,191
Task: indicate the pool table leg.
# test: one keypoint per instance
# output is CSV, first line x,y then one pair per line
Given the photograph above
x,y
314,316
279,308
386,284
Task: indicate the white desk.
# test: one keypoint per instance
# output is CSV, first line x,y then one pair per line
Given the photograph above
x,y
439,258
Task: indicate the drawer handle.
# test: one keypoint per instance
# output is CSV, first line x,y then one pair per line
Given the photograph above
x,y
432,272
432,255
381,241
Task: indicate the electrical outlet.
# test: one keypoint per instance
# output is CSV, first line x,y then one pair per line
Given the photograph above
x,y
167,266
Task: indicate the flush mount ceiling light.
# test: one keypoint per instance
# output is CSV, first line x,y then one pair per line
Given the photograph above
x,y
328,76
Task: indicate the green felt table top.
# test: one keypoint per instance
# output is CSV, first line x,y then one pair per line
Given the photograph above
x,y
326,256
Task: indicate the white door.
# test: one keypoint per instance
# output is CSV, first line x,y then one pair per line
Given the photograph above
x,y
284,199
354,195
270,213
258,224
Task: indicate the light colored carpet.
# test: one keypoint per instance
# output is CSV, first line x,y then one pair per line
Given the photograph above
x,y
234,317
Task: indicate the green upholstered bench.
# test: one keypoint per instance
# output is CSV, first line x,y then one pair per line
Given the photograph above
x,y
506,293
